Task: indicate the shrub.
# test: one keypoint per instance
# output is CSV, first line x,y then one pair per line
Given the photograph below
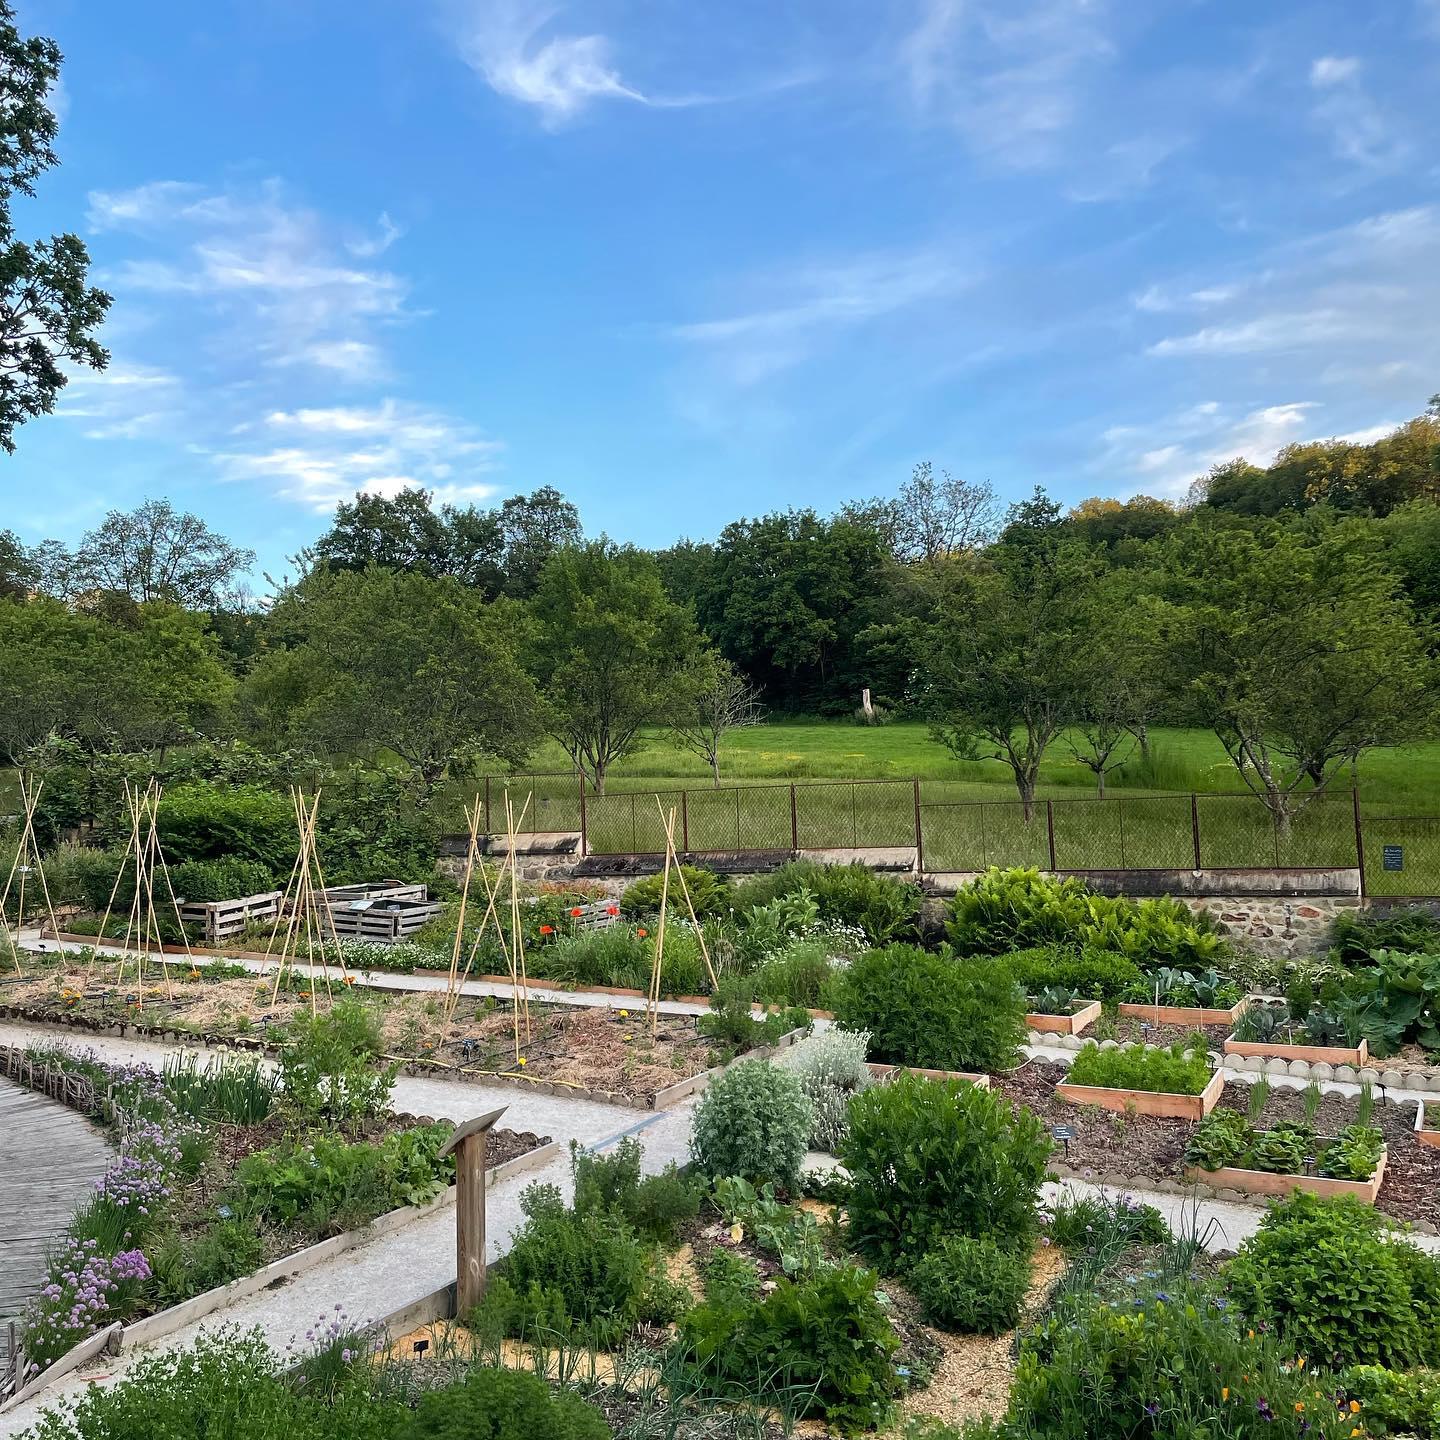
x,y
227,1383
214,822
796,976
1086,1222
931,1158
586,1276
710,894
883,907
1165,1366
1176,1071
81,876
825,1340
654,1206
325,1065
730,1021
1335,1287
1095,974
493,1403
1394,1402
969,1284
231,878
615,955
930,1011
754,1121
1008,910
727,1276
832,1068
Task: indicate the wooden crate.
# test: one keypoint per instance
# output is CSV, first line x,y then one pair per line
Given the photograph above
x,y
222,919
377,890
384,921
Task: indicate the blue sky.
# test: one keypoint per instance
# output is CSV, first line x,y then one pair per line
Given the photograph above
x,y
687,262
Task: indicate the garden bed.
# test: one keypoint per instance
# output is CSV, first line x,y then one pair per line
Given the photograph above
x,y
1355,1055
1187,1017
1130,1029
1427,1124
602,1053
1084,1014
1269,1182
885,1073
1146,1102
1146,1151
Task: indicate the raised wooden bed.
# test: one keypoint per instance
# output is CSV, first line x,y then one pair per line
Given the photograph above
x,y
1266,1182
385,921
886,1073
1146,1102
339,895
1331,1054
1084,1014
1195,1015
220,919
1426,1135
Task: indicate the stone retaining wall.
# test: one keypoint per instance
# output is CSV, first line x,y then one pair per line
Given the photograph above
x,y
1282,928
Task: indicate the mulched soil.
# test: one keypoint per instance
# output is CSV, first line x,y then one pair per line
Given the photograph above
x,y
1129,1028
590,1047
1154,1146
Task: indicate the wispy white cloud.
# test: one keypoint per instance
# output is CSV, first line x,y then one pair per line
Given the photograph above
x,y
1361,133
1006,74
319,456
124,402
387,232
802,307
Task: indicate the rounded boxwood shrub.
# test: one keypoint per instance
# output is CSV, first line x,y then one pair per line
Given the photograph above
x,y
932,1011
967,1283
1326,1277
498,1404
931,1158
754,1121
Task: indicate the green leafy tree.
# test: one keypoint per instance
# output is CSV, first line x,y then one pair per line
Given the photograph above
x,y
1295,646
49,315
385,660
156,552
1010,655
613,653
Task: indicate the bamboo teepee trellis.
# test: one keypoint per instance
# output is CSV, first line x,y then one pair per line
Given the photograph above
x,y
672,862
27,862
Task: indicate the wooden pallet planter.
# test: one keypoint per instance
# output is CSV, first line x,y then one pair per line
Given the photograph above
x,y
1266,1182
220,919
1146,1102
1085,1014
339,895
1356,1055
1185,1015
886,1073
384,921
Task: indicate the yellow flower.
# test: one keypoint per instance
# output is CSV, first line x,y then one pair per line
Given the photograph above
x,y
1354,1407
1354,1431
624,1014
521,1060
1299,1406
1225,1392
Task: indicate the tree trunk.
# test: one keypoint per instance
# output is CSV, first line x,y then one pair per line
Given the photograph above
x,y
1100,781
715,767
1025,784
597,777
1142,734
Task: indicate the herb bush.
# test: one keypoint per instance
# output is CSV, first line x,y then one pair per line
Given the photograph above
x,y
883,907
726,1276
1395,1402
586,1277
932,1011
230,1384
1095,974
930,1158
832,1068
754,1122
731,1023
493,1403
654,1206
325,1065
1410,929
1336,1288
968,1284
1164,1367
824,1341
615,955
1176,1071
710,894
1007,910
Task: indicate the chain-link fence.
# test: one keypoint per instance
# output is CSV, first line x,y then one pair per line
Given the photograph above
x,y
1124,831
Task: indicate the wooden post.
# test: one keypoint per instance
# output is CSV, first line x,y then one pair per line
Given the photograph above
x,y
1195,825
467,1144
1359,839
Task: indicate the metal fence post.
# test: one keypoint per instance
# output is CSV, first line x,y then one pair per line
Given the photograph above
x,y
1050,831
919,838
685,821
1359,839
1195,826
583,817
488,830
794,821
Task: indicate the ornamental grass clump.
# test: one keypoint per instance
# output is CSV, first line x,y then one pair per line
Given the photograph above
x,y
1176,1071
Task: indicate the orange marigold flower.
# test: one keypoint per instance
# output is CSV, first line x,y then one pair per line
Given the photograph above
x,y
641,931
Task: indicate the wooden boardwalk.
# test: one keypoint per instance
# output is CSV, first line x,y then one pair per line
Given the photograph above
x,y
50,1159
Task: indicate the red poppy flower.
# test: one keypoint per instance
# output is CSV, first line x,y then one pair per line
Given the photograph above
x,y
641,931
612,909
577,911
547,929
